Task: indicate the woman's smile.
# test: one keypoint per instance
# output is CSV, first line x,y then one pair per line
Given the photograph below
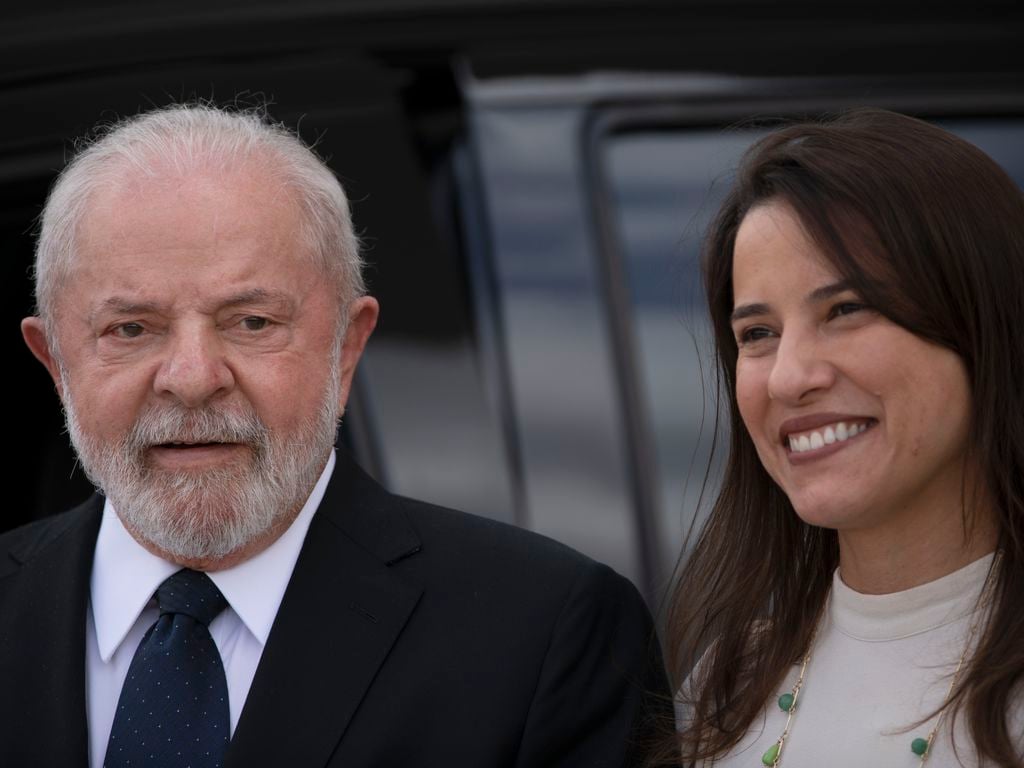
x,y
807,444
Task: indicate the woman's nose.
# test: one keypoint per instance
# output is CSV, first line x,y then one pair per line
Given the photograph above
x,y
800,369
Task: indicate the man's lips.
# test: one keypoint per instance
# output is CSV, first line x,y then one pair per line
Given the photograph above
x,y
193,446
192,454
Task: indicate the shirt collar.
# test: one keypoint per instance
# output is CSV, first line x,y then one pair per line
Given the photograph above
x,y
125,575
912,611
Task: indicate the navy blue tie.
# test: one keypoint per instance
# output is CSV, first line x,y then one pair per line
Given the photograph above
x,y
173,711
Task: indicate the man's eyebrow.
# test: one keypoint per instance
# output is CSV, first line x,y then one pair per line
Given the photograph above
x,y
122,306
257,296
818,294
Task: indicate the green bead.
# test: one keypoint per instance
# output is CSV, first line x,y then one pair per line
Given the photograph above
x,y
786,702
919,746
769,757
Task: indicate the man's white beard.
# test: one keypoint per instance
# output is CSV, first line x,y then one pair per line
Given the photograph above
x,y
193,515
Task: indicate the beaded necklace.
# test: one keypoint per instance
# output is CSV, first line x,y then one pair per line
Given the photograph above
x,y
920,746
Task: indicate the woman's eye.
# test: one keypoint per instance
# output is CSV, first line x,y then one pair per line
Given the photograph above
x,y
846,308
254,323
750,335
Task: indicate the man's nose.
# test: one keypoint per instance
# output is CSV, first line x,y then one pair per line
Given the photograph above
x,y
194,369
801,368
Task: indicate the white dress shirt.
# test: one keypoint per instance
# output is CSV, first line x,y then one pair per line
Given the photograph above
x,y
125,577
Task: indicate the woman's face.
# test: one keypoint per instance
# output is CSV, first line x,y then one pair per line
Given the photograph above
x,y
861,423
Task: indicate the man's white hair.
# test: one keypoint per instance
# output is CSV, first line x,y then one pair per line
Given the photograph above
x,y
183,138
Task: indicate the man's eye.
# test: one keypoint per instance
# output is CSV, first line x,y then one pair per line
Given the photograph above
x,y
254,323
129,330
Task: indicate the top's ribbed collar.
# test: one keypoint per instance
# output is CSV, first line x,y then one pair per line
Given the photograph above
x,y
916,610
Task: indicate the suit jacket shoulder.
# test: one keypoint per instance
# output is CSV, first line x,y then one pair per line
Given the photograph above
x,y
412,634
44,594
21,544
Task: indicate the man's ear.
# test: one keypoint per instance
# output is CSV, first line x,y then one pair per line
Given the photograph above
x,y
33,331
362,319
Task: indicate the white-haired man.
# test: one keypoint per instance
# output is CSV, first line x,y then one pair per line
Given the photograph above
x,y
239,593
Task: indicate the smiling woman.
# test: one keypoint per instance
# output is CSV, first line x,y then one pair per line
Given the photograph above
x,y
862,424
864,561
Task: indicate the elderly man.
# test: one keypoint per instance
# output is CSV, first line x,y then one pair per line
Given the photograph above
x,y
240,594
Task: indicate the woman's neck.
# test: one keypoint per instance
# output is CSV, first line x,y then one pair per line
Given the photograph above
x,y
878,562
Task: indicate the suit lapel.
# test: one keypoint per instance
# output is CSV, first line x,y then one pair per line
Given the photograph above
x,y
342,612
47,594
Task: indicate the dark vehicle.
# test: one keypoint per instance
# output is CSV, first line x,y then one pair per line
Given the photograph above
x,y
530,180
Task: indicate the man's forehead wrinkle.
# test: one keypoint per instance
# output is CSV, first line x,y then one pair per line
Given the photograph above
x,y
117,212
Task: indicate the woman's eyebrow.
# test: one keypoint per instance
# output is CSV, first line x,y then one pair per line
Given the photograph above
x,y
756,309
827,291
744,311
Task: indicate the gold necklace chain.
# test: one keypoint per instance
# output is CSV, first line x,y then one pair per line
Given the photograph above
x,y
772,758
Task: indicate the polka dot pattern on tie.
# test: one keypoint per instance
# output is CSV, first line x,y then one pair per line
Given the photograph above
x,y
173,709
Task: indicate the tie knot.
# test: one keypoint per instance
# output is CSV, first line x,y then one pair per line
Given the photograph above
x,y
191,593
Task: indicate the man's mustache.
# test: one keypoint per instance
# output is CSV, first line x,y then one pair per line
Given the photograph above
x,y
178,424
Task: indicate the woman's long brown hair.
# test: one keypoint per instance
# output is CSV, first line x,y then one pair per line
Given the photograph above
x,y
930,232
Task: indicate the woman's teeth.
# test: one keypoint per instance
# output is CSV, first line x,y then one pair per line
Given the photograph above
x,y
819,438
